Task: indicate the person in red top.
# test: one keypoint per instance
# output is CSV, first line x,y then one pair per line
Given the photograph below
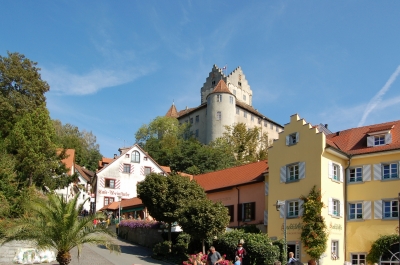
x,y
240,252
95,222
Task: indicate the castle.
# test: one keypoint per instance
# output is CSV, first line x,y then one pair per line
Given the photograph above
x,y
225,100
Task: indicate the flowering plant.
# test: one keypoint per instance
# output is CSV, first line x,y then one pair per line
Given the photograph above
x,y
139,224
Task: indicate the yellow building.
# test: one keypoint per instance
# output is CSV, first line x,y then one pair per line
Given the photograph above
x,y
357,171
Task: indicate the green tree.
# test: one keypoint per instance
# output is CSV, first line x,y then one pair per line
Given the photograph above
x,y
8,186
87,152
204,220
247,144
314,235
31,142
22,89
52,222
167,196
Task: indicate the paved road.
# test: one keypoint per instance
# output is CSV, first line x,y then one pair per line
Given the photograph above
x,y
98,255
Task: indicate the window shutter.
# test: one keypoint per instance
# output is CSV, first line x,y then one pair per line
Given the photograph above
x,y
240,211
121,167
283,174
287,140
253,211
302,170
265,217
388,138
301,210
378,209
370,141
266,188
330,206
341,213
330,169
282,211
377,172
341,173
297,137
366,210
367,173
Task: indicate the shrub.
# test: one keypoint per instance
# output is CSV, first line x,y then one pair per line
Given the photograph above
x,y
139,224
162,249
182,243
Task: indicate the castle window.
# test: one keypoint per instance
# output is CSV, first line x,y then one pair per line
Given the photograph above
x,y
240,83
231,99
219,98
237,111
234,92
191,120
252,117
213,82
245,114
219,115
244,97
197,118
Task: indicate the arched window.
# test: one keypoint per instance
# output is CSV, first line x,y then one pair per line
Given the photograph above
x,y
391,256
135,158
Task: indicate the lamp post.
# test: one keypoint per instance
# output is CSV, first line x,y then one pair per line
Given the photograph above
x,y
278,206
119,209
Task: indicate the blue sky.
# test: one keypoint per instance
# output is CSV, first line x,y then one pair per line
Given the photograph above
x,y
115,65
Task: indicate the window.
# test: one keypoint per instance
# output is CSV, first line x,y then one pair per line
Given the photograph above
x,y
389,171
197,133
335,207
197,118
219,115
145,158
245,114
277,129
231,212
379,140
292,139
239,83
244,97
234,92
265,124
355,211
355,175
127,168
292,172
259,120
127,155
213,82
358,258
109,183
191,120
336,172
108,200
335,249
135,158
252,117
237,111
147,170
293,209
219,98
391,209
249,211
231,99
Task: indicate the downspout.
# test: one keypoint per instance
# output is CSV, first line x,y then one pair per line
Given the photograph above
x,y
345,203
238,196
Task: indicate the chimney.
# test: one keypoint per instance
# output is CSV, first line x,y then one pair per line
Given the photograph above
x,y
115,156
326,125
337,133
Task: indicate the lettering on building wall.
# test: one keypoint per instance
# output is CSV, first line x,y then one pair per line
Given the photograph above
x,y
113,193
293,228
338,227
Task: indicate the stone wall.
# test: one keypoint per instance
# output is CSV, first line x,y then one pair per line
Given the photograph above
x,y
8,250
141,236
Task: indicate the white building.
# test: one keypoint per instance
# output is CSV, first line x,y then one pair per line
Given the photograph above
x,y
118,179
225,101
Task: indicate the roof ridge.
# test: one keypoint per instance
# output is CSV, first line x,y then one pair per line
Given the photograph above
x,y
242,165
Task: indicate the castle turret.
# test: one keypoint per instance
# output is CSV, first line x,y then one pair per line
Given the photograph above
x,y
221,105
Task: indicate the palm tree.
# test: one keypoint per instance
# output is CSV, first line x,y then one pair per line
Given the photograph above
x,y
52,222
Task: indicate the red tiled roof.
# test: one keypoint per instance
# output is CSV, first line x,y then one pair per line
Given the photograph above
x,y
131,202
354,141
221,88
166,169
69,160
111,206
85,173
244,174
172,112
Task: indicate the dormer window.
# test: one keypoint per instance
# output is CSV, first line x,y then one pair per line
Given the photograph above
x,y
379,136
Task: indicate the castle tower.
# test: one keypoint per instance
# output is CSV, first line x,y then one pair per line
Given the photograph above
x,y
221,105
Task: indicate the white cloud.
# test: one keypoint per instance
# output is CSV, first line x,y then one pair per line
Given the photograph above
x,y
63,81
376,100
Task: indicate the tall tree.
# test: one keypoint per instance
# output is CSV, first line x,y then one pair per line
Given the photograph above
x,y
22,89
204,220
52,222
167,196
31,142
314,235
87,152
8,185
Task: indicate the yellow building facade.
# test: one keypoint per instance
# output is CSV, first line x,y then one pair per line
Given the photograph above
x,y
357,172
